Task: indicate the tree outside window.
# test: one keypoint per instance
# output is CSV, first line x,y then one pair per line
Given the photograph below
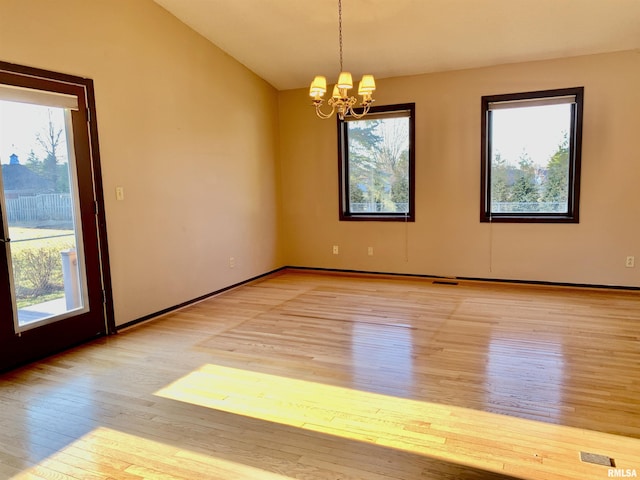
x,y
376,165
531,156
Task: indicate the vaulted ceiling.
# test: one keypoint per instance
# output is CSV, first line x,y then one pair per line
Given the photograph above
x,y
287,42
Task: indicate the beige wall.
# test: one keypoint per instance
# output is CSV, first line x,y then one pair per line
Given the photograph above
x,y
447,238
205,149
188,132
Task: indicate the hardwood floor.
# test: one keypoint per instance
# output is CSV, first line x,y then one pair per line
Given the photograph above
x,y
331,376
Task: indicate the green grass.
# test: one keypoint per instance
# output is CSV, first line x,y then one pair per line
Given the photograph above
x,y
22,238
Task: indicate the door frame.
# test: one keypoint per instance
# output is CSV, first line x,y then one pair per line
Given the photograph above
x,y
35,76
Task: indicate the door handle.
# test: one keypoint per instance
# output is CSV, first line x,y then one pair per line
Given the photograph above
x,y
5,240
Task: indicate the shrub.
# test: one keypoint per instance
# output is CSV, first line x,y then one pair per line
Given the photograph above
x,y
37,271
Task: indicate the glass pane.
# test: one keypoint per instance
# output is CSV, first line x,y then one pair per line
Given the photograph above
x,y
39,202
530,159
378,154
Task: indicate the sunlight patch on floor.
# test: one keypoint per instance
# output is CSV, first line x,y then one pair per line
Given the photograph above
x,y
108,453
488,441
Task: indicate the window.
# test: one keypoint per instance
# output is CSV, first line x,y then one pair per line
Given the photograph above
x,y
531,145
376,164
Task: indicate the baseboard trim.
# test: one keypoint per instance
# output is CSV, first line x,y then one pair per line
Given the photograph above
x,y
552,284
469,279
342,271
165,311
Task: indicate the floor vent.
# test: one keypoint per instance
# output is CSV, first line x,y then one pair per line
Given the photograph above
x,y
444,282
597,459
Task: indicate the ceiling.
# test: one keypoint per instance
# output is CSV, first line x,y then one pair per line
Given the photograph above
x,y
287,42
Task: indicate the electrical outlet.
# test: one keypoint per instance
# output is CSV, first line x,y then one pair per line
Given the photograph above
x,y
370,251
630,262
232,262
336,250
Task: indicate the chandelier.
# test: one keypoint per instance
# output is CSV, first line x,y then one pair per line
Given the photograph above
x,y
340,100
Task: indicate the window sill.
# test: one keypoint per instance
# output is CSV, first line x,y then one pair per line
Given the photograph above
x,y
376,218
529,219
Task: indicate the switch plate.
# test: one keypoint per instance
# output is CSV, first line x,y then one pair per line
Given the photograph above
x,y
370,251
119,193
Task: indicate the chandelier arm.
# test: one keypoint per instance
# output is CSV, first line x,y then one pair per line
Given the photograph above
x,y
358,116
323,115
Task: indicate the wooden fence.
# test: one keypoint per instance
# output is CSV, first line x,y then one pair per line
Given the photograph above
x,y
40,208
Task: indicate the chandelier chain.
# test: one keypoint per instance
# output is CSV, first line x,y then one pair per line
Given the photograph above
x,y
340,29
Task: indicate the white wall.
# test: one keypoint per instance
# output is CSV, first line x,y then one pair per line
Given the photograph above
x,y
188,132
447,238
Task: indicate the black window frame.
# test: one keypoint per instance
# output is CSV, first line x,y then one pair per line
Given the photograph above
x,y
343,169
575,159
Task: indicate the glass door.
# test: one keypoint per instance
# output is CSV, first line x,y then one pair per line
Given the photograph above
x,y
40,194
51,294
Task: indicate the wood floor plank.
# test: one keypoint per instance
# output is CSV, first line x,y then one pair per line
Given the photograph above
x,y
317,375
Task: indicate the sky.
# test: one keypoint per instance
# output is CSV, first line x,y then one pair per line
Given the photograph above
x,y
19,125
537,130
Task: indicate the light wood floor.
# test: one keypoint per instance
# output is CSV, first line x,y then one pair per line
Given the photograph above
x,y
318,376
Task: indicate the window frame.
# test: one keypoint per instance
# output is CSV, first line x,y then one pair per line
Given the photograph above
x,y
575,158
343,169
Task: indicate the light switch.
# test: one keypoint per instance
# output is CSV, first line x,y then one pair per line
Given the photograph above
x,y
119,193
